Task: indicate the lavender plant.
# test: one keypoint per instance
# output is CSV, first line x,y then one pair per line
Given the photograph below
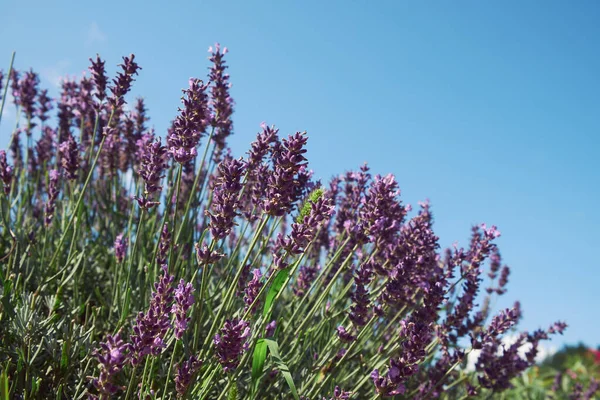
x,y
132,269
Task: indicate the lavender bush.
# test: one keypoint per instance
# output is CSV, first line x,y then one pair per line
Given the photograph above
x,y
136,269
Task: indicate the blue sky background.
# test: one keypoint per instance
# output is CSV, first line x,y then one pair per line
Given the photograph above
x,y
489,109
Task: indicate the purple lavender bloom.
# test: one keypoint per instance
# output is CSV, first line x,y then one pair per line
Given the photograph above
x,y
65,108
28,88
306,276
164,245
151,327
6,172
226,197
153,164
282,184
339,394
382,212
120,248
113,356
259,149
205,256
270,328
231,343
52,195
190,124
184,299
221,101
185,373
557,327
69,157
252,290
122,83
45,105
14,85
592,389
344,335
140,117
100,80
241,285
503,280
303,232
359,311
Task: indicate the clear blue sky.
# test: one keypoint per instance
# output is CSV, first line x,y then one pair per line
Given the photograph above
x,y
491,109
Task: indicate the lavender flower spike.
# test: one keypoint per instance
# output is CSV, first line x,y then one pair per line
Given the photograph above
x,y
184,299
52,195
190,124
112,357
221,101
153,164
252,289
6,172
231,343
151,327
122,83
69,157
99,78
120,248
185,373
225,199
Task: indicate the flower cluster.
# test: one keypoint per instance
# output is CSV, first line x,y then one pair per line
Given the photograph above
x,y
221,101
190,124
184,299
153,164
6,173
112,357
231,343
151,327
226,197
121,84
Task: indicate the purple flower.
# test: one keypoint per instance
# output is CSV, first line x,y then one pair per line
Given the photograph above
x,y
140,117
45,105
221,101
206,256
190,124
151,327
283,187
226,197
113,355
339,394
303,232
120,248
557,327
14,85
164,245
270,328
252,290
185,373
184,299
28,88
344,335
153,164
306,276
359,311
6,172
100,80
231,343
52,195
69,157
122,83
503,280
382,212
